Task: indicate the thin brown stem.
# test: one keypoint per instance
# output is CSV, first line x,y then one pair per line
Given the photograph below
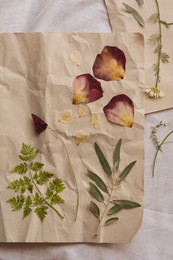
x,y
74,176
160,46
104,212
158,149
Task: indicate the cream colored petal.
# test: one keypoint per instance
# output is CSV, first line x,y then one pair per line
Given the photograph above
x,y
81,137
75,57
94,120
83,110
66,117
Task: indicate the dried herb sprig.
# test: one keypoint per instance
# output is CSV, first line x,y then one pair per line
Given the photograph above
x,y
158,144
154,136
29,186
162,57
105,194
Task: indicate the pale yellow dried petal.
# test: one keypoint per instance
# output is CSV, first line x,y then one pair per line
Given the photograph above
x,y
75,57
66,117
94,120
81,137
83,110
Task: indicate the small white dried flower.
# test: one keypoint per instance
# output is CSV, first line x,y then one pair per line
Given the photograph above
x,y
154,92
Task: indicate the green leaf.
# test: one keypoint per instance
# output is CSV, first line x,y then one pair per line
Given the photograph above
x,y
96,192
28,201
21,185
126,171
155,39
56,185
28,153
102,159
164,57
26,211
20,169
154,18
110,221
116,155
167,25
16,203
127,204
53,197
41,212
49,193
95,209
135,14
56,199
140,2
28,184
38,200
157,50
42,177
116,208
36,166
98,181
17,185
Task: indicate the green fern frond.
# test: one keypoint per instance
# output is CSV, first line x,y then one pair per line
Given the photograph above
x,y
28,153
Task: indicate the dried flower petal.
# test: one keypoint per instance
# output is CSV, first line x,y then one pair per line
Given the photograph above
x,y
153,92
66,117
81,137
94,120
39,124
120,110
75,57
110,64
86,89
83,110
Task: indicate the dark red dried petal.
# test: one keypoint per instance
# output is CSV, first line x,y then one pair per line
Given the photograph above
x,y
86,89
39,124
120,110
110,64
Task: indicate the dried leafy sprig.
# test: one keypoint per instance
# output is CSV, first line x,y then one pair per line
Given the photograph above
x,y
158,144
29,186
105,194
154,136
162,57
135,13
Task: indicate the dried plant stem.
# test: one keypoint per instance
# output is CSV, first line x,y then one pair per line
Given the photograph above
x,y
52,207
158,149
160,46
105,211
74,176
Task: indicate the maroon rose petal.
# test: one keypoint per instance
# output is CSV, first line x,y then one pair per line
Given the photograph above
x,y
120,111
39,124
86,89
110,64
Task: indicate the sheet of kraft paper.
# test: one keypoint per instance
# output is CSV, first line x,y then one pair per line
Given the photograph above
x,y
58,179
122,21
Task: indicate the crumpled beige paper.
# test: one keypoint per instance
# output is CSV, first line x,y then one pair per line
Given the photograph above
x,y
122,21
36,76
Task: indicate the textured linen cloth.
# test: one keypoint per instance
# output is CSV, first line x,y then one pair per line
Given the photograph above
x,y
154,240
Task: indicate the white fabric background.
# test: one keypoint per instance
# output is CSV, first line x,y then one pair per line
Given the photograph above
x,y
155,238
